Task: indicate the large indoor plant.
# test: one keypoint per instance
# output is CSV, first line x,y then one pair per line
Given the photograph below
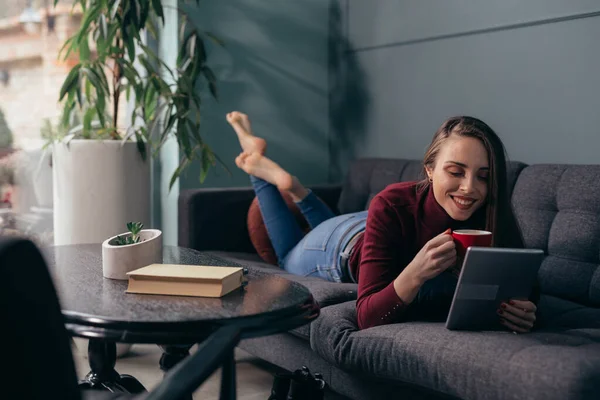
x,y
102,161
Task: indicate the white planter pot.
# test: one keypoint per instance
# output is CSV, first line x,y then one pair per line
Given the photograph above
x,y
117,261
42,179
99,186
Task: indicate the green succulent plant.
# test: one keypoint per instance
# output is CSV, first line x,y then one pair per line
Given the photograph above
x,y
134,228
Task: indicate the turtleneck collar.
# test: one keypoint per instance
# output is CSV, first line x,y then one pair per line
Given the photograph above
x,y
437,219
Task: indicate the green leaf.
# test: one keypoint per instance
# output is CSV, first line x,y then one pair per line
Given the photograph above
x,y
88,17
158,9
150,103
134,11
78,93
141,146
212,79
153,57
182,28
102,25
68,43
87,120
98,71
68,109
88,89
206,162
130,45
201,50
183,138
195,131
84,50
101,108
115,9
182,165
130,72
147,65
94,80
144,14
191,45
70,81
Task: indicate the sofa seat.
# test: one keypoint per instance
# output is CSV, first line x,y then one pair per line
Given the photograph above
x,y
325,293
551,363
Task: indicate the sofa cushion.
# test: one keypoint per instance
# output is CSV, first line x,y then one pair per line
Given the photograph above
x,y
558,210
557,363
368,176
325,293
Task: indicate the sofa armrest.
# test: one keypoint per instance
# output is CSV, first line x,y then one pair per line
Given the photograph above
x,y
215,219
330,194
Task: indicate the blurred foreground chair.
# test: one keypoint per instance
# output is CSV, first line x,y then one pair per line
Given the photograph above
x,y
37,356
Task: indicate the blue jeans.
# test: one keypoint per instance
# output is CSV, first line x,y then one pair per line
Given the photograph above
x,y
316,253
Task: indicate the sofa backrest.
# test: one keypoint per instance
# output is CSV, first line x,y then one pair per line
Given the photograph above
x,y
368,176
558,209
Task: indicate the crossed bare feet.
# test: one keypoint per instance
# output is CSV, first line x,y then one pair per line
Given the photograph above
x,y
241,125
260,166
253,161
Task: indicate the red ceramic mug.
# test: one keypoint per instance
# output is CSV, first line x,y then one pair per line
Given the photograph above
x,y
465,238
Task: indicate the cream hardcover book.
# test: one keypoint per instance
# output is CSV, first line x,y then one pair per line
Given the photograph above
x,y
185,280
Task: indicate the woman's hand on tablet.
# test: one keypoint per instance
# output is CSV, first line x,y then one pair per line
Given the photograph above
x,y
518,315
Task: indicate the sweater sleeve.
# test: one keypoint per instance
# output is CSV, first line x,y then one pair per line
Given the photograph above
x,y
380,264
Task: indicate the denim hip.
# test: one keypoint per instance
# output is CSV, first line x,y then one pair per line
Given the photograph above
x,y
319,253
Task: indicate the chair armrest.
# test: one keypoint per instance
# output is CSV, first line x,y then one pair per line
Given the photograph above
x,y
190,373
215,218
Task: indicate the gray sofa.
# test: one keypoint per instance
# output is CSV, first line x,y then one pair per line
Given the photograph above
x,y
558,208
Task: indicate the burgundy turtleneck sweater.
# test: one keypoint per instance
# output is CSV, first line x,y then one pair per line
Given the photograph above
x,y
401,221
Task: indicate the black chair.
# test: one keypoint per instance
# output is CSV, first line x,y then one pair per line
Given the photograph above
x,y
37,354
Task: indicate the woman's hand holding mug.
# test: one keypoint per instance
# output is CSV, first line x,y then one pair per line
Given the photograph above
x,y
435,257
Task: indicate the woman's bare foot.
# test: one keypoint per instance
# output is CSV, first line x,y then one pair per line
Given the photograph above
x,y
260,166
241,124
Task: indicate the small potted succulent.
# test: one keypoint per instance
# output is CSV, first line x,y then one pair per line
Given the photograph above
x,y
131,250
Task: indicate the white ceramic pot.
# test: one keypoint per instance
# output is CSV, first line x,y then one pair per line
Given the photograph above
x,y
117,261
99,186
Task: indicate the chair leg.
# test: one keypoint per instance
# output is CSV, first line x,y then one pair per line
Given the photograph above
x,y
228,378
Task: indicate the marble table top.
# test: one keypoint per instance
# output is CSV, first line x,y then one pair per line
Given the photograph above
x,y
94,306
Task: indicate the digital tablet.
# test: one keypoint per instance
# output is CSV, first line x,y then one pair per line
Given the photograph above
x,y
490,276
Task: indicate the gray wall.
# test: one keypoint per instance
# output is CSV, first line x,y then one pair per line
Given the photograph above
x,y
530,69
274,68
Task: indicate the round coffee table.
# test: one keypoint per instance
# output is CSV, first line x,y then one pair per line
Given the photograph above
x,y
99,309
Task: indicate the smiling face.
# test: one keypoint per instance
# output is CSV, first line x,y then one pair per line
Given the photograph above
x,y
460,176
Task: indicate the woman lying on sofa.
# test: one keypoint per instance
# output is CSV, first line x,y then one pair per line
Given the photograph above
x,y
400,251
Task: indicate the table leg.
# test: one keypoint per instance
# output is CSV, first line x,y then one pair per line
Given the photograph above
x,y
102,356
172,355
228,378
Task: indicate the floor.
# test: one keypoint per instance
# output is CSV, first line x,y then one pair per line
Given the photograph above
x,y
254,376
253,382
